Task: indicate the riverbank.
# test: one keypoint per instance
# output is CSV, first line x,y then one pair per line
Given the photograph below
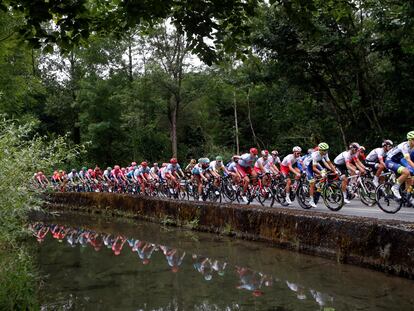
x,y
383,245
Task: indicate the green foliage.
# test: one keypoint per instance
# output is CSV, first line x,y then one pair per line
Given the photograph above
x,y
77,20
23,153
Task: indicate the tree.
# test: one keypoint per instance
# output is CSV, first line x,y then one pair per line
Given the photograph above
x,y
68,23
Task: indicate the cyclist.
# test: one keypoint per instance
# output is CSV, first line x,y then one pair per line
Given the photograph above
x,y
143,175
375,159
173,171
107,174
155,171
199,174
190,166
289,166
274,160
216,168
73,175
98,173
41,179
262,166
313,165
244,167
82,174
232,169
399,161
349,162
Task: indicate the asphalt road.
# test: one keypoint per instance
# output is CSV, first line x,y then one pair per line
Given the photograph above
x,y
355,208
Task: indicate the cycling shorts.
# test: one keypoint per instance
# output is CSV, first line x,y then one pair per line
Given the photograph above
x,y
244,170
343,169
398,167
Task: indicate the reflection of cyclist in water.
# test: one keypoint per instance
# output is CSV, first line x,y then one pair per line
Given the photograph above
x,y
298,289
40,231
144,250
252,280
73,237
108,241
95,240
59,232
219,268
321,298
203,265
173,257
118,245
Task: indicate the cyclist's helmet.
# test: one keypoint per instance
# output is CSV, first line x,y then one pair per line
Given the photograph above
x,y
265,153
275,153
84,168
297,149
323,147
90,171
73,170
134,164
387,142
109,168
155,164
254,151
117,167
362,149
219,158
173,161
355,146
144,164
236,158
410,135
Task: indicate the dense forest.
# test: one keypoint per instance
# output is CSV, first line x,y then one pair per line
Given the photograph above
x,y
154,83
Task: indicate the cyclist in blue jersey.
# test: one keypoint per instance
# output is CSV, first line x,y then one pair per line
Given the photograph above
x,y
399,161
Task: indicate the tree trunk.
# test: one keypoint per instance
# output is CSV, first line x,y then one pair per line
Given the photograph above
x,y
236,123
130,58
250,120
173,125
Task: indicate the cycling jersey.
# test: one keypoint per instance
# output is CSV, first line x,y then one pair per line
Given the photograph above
x,y
152,170
232,167
264,162
246,160
397,158
172,168
376,154
216,166
274,160
143,170
403,150
315,158
345,157
73,176
198,169
289,159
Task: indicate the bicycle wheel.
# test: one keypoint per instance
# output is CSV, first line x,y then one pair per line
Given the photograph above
x,y
303,196
214,194
333,196
366,192
386,200
263,195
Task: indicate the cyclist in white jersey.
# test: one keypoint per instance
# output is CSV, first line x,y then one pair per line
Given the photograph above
x,y
375,159
348,162
399,161
289,166
313,165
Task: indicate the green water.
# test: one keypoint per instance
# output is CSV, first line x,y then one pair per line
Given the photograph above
x,y
98,264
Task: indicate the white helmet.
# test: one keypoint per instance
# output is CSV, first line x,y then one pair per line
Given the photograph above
x,y
297,149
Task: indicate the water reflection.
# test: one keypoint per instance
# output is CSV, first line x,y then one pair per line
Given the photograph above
x,y
243,278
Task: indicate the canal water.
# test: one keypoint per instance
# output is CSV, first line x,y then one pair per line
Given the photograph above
x,y
92,263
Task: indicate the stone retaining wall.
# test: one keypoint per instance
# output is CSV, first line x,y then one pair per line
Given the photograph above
x,y
386,246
